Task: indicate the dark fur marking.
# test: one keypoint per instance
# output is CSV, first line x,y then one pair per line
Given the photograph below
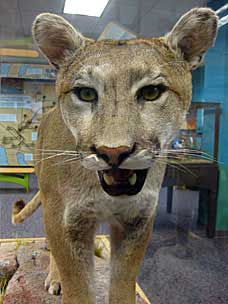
x,y
122,42
18,206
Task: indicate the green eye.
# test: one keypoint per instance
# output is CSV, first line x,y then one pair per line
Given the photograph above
x,y
151,92
86,94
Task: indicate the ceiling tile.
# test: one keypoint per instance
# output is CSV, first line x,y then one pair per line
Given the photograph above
x,y
143,17
84,24
188,4
128,14
156,23
135,2
44,6
5,6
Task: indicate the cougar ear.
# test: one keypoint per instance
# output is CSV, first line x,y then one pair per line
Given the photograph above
x,y
56,38
193,34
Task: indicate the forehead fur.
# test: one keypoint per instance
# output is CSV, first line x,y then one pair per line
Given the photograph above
x,y
121,57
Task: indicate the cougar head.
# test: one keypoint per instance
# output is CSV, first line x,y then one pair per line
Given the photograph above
x,y
123,101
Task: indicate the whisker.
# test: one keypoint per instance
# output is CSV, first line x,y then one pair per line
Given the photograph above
x,y
67,161
175,167
185,169
53,150
187,150
190,154
49,157
50,153
169,164
183,151
198,157
177,157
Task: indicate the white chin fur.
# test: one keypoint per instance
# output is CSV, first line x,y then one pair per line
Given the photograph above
x,y
142,160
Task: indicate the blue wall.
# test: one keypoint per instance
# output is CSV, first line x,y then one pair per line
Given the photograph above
x,y
210,83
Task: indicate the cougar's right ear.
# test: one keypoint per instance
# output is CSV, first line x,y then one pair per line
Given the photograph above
x,y
56,38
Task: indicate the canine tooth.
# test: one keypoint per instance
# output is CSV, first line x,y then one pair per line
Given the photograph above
x,y
108,179
132,179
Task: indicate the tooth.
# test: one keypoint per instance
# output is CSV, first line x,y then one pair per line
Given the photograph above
x,y
132,180
108,179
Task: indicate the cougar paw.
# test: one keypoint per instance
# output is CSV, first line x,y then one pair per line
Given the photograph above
x,y
52,286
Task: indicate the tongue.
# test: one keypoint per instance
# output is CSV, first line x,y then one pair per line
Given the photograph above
x,y
119,174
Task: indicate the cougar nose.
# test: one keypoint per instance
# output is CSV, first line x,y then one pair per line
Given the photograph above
x,y
114,156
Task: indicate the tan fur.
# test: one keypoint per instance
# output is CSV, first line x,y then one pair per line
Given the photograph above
x,y
73,200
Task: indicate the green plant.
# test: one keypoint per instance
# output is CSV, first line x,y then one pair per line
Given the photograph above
x,y
3,285
20,243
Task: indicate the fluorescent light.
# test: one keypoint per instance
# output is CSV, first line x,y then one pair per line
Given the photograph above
x,y
222,9
223,21
85,7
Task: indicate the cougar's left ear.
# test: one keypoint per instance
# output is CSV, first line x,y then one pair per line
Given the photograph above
x,y
193,34
56,38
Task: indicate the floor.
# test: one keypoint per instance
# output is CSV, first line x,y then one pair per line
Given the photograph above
x,y
178,268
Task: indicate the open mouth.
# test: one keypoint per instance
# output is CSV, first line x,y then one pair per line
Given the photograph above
x,y
117,182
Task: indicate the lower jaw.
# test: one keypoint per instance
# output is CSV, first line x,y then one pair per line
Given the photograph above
x,y
124,188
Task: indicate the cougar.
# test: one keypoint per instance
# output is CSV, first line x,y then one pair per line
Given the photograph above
x,y
102,149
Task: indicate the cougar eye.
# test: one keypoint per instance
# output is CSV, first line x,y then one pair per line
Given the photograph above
x,y
86,94
151,92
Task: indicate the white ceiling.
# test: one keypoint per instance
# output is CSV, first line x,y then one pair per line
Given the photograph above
x,y
144,17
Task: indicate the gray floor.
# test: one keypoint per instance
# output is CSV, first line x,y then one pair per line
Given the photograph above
x,y
193,271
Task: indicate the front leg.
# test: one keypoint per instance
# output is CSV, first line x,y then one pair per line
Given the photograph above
x,y
72,246
52,282
128,244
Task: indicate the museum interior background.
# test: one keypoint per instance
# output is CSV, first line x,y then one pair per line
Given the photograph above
x,y
27,87
188,253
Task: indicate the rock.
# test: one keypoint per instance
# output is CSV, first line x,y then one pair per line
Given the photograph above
x,y
8,261
27,284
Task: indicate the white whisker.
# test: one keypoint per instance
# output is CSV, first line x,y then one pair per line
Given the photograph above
x,y
197,156
186,151
184,170
50,153
53,150
177,163
49,157
67,161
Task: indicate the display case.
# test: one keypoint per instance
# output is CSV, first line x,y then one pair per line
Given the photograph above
x,y
199,136
27,92
193,162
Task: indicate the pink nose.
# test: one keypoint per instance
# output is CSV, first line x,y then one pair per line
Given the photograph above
x,y
114,156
